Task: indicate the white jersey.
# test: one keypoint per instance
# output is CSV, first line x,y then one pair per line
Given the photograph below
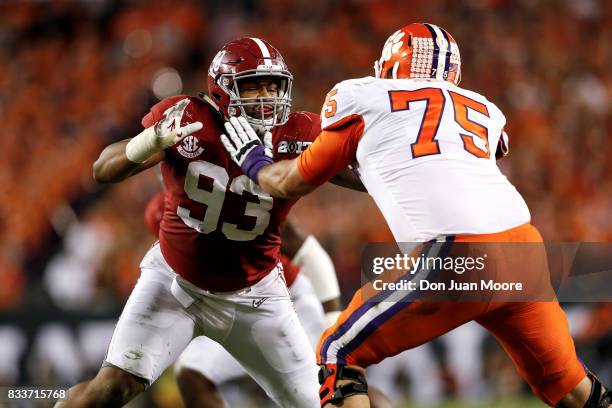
x,y
427,156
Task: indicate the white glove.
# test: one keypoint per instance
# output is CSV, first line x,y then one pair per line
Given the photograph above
x,y
243,139
161,135
245,147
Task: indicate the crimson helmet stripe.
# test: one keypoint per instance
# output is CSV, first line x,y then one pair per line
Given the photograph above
x,y
265,53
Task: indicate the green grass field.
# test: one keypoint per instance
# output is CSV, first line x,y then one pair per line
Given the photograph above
x,y
514,403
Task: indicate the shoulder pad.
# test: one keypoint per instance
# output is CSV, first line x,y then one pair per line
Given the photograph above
x,y
297,134
303,121
341,102
357,81
300,126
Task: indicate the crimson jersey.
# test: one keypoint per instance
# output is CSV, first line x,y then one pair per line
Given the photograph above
x,y
219,229
290,270
155,212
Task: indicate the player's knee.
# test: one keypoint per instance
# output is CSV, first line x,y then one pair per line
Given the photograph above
x,y
550,387
339,382
559,389
114,387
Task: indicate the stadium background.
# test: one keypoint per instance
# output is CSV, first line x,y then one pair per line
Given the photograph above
x,y
77,75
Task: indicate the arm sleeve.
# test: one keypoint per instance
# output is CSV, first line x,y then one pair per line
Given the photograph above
x,y
332,151
335,148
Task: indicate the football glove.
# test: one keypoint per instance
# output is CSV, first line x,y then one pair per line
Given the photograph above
x,y
161,135
246,148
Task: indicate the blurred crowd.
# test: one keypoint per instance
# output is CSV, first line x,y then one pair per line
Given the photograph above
x,y
77,75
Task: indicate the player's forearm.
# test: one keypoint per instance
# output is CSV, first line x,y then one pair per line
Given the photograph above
x,y
146,149
113,165
283,179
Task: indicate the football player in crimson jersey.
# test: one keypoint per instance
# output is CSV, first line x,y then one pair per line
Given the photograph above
x,y
314,290
215,270
423,150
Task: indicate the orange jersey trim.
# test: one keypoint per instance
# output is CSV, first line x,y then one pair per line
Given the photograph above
x,y
332,151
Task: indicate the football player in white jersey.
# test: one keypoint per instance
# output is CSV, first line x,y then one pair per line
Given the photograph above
x,y
426,151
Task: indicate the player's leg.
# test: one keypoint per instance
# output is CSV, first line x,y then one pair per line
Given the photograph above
x,y
205,364
197,390
373,327
111,387
536,336
368,331
152,331
311,315
201,368
270,343
308,308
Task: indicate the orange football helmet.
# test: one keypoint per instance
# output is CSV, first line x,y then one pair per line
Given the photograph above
x,y
420,50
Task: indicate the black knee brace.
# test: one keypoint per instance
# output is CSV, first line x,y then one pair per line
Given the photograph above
x,y
329,374
600,396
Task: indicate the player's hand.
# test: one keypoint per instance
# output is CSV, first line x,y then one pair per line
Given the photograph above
x,y
168,131
163,134
244,146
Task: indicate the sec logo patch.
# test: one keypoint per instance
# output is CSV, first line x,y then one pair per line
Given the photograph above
x,y
190,147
